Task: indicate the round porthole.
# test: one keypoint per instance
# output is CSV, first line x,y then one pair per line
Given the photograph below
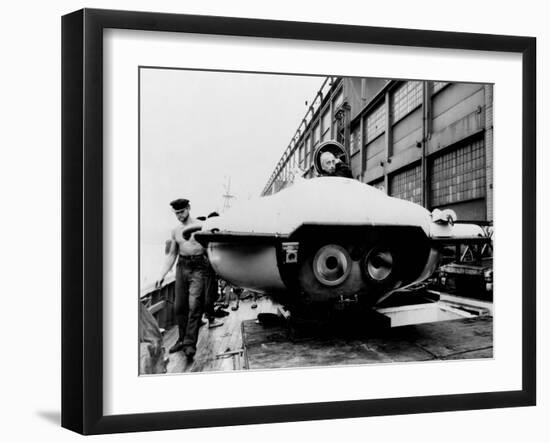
x,y
331,265
379,264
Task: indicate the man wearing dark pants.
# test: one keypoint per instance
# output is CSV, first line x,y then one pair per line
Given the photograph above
x,y
191,269
190,277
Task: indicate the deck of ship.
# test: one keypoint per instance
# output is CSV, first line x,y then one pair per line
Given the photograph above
x,y
213,342
244,343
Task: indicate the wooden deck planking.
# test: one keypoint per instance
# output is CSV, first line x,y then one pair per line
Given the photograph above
x,y
271,347
214,341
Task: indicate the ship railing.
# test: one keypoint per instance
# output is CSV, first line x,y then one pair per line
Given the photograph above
x,y
160,301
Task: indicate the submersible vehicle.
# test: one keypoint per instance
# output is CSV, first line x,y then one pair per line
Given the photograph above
x,y
329,239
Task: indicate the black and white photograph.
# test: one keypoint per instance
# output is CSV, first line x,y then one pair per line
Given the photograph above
x,y
275,221
296,221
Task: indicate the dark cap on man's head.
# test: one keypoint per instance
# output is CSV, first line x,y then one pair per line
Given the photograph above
x,y
213,214
179,204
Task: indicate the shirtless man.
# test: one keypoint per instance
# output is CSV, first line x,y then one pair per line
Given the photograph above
x,y
191,269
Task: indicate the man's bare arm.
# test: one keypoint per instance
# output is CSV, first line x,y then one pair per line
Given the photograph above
x,y
170,260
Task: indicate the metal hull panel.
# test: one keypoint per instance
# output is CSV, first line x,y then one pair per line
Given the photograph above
x,y
250,266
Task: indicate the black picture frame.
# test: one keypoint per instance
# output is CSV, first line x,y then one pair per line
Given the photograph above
x,y
82,218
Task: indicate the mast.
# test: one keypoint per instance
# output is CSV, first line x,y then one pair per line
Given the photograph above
x,y
227,196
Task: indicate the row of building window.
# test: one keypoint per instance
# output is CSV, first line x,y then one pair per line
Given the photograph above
x,y
455,176
376,123
403,100
459,175
355,141
406,98
407,185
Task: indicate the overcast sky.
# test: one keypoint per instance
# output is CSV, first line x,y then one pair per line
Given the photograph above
x,y
198,130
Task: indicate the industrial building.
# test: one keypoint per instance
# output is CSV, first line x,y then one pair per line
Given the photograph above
x,y
430,142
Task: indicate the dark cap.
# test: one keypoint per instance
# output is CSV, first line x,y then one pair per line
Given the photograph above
x,y
179,204
213,214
